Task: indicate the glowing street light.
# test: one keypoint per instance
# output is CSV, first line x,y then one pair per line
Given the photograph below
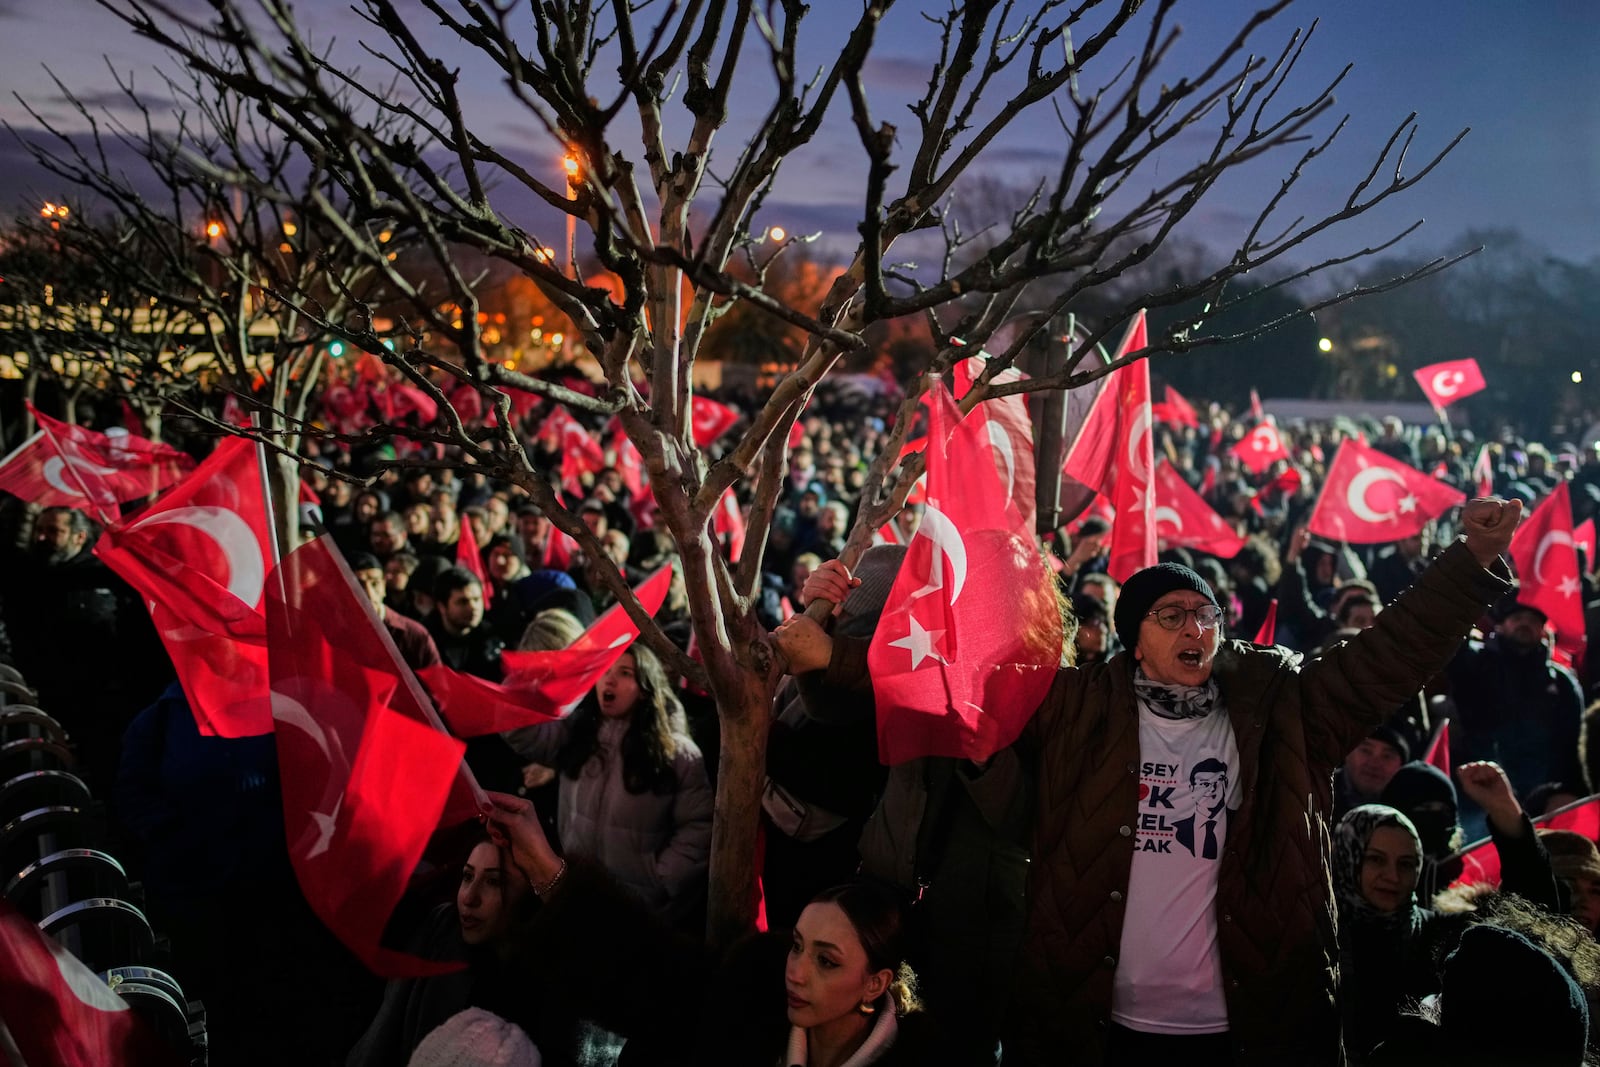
x,y
1325,345
213,229
1577,377
777,233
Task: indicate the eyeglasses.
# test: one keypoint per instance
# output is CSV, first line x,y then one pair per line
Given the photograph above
x,y
1173,617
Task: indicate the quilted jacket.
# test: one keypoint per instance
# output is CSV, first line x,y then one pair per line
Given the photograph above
x,y
1294,723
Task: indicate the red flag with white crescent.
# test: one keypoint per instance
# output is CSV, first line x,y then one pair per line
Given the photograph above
x,y
1544,553
63,465
199,559
1483,473
1010,431
970,636
1261,448
365,785
1184,519
1116,455
580,453
1445,383
1369,498
728,521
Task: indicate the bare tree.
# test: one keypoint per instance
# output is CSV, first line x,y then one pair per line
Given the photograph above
x,y
672,226
200,265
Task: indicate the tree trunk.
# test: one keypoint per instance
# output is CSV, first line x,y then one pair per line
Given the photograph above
x,y
744,703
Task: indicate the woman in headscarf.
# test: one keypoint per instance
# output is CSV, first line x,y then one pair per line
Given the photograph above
x,y
1388,942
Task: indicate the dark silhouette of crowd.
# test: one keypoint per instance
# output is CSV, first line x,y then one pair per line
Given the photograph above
x,y
1202,849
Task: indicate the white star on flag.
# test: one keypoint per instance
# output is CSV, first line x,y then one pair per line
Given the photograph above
x,y
919,643
325,826
1408,504
1568,586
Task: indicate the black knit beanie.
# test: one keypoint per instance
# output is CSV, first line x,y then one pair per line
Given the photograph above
x,y
1141,591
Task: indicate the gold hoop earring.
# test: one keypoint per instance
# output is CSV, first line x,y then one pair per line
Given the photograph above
x,y
866,1008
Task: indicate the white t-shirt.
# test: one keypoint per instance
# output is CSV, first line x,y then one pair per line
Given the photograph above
x,y
1169,969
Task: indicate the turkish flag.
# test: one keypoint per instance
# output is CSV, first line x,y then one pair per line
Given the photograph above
x,y
470,558
1115,455
199,558
709,420
1370,499
1010,430
728,521
1480,861
1583,537
580,452
366,779
1176,410
55,1012
1438,753
1184,519
1256,411
1547,564
1261,448
957,665
541,686
63,465
1445,383
558,551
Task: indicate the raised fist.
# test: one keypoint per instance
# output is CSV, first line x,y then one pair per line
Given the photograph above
x,y
1488,523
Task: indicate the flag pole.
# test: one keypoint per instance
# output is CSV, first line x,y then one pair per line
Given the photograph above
x,y
28,442
266,492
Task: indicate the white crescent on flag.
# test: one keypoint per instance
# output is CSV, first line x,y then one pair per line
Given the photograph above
x,y
1546,543
1139,431
1356,495
1448,382
947,543
1001,440
1263,439
289,711
55,465
246,570
1169,516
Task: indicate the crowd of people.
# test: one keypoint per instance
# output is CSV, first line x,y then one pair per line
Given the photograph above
x,y
1201,847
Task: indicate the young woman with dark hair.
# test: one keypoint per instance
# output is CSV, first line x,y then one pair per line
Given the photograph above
x,y
633,788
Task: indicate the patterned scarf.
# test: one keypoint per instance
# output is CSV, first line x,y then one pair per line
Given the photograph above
x,y
1176,701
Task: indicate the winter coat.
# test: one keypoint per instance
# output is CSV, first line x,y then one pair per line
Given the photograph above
x,y
656,844
1294,723
1388,962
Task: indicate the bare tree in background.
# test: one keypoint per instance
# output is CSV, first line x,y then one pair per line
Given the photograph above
x,y
672,224
192,267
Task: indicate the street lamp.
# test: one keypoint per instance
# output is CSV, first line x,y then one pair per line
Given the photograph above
x,y
213,229
1325,345
777,233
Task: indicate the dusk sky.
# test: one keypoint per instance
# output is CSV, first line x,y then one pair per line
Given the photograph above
x,y
1526,83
